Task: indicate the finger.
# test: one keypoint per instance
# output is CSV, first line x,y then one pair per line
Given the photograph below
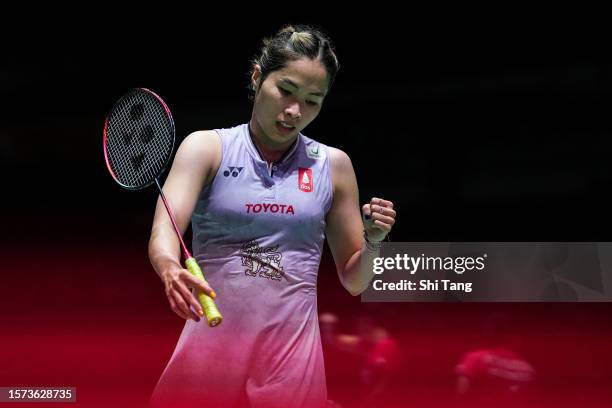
x,y
175,308
190,300
366,210
200,285
382,210
381,202
382,225
383,218
183,307
170,295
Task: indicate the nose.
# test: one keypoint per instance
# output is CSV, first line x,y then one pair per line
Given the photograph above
x,y
293,111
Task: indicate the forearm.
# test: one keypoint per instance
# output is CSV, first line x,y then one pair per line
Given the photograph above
x,y
164,248
358,272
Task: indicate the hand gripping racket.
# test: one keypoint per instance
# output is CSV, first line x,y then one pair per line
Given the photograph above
x,y
138,143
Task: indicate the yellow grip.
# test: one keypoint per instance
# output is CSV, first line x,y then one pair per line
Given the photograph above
x,y
208,305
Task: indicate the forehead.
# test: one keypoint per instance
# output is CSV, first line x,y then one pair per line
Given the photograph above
x,y
307,74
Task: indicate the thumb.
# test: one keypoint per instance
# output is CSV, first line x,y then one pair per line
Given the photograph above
x,y
366,211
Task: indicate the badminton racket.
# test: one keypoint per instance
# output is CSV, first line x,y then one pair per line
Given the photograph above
x,y
138,143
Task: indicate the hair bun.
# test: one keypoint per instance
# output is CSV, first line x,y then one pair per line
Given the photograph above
x,y
291,43
287,29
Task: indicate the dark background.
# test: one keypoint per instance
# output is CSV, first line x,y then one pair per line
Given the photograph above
x,y
477,129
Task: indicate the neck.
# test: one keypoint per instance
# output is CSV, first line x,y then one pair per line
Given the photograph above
x,y
270,151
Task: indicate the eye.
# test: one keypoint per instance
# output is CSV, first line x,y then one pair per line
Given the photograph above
x,y
312,103
284,91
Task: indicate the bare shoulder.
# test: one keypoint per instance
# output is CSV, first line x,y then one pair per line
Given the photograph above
x,y
341,165
203,144
202,141
202,149
342,172
340,161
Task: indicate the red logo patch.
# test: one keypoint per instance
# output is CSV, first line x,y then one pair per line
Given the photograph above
x,y
305,179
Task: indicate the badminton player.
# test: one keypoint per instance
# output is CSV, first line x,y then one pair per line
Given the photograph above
x,y
261,197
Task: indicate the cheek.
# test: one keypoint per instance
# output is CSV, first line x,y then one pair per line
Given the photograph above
x,y
270,103
313,113
264,106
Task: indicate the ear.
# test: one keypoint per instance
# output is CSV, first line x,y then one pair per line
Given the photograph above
x,y
255,77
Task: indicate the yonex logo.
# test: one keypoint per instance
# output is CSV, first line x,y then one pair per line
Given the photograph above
x,y
146,135
234,171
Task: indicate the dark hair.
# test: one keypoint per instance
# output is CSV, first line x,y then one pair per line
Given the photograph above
x,y
291,43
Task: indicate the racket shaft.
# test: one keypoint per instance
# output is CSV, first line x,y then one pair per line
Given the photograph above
x,y
208,305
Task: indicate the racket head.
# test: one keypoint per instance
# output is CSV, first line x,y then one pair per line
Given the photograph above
x,y
138,139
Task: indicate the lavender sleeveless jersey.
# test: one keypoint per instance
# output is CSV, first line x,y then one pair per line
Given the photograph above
x,y
258,235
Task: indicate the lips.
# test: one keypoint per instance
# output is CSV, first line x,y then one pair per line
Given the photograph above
x,y
286,124
283,129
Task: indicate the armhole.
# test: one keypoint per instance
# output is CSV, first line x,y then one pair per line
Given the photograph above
x,y
330,182
208,186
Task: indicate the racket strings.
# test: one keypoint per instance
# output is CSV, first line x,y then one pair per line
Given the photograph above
x,y
140,138
133,165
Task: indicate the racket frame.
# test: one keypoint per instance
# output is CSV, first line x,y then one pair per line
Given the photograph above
x,y
105,144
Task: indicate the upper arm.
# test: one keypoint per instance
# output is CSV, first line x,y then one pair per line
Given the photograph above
x,y
195,164
344,229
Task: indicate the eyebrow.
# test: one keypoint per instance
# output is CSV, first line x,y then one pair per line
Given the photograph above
x,y
290,82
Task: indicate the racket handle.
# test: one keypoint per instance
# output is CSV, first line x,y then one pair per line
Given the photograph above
x,y
208,305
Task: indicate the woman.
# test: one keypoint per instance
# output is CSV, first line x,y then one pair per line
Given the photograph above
x,y
261,197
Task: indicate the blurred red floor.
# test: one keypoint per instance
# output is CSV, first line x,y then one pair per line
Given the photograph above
x,y
93,315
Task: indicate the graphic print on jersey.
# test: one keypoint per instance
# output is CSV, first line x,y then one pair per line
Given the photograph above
x,y
313,152
261,262
269,208
305,179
